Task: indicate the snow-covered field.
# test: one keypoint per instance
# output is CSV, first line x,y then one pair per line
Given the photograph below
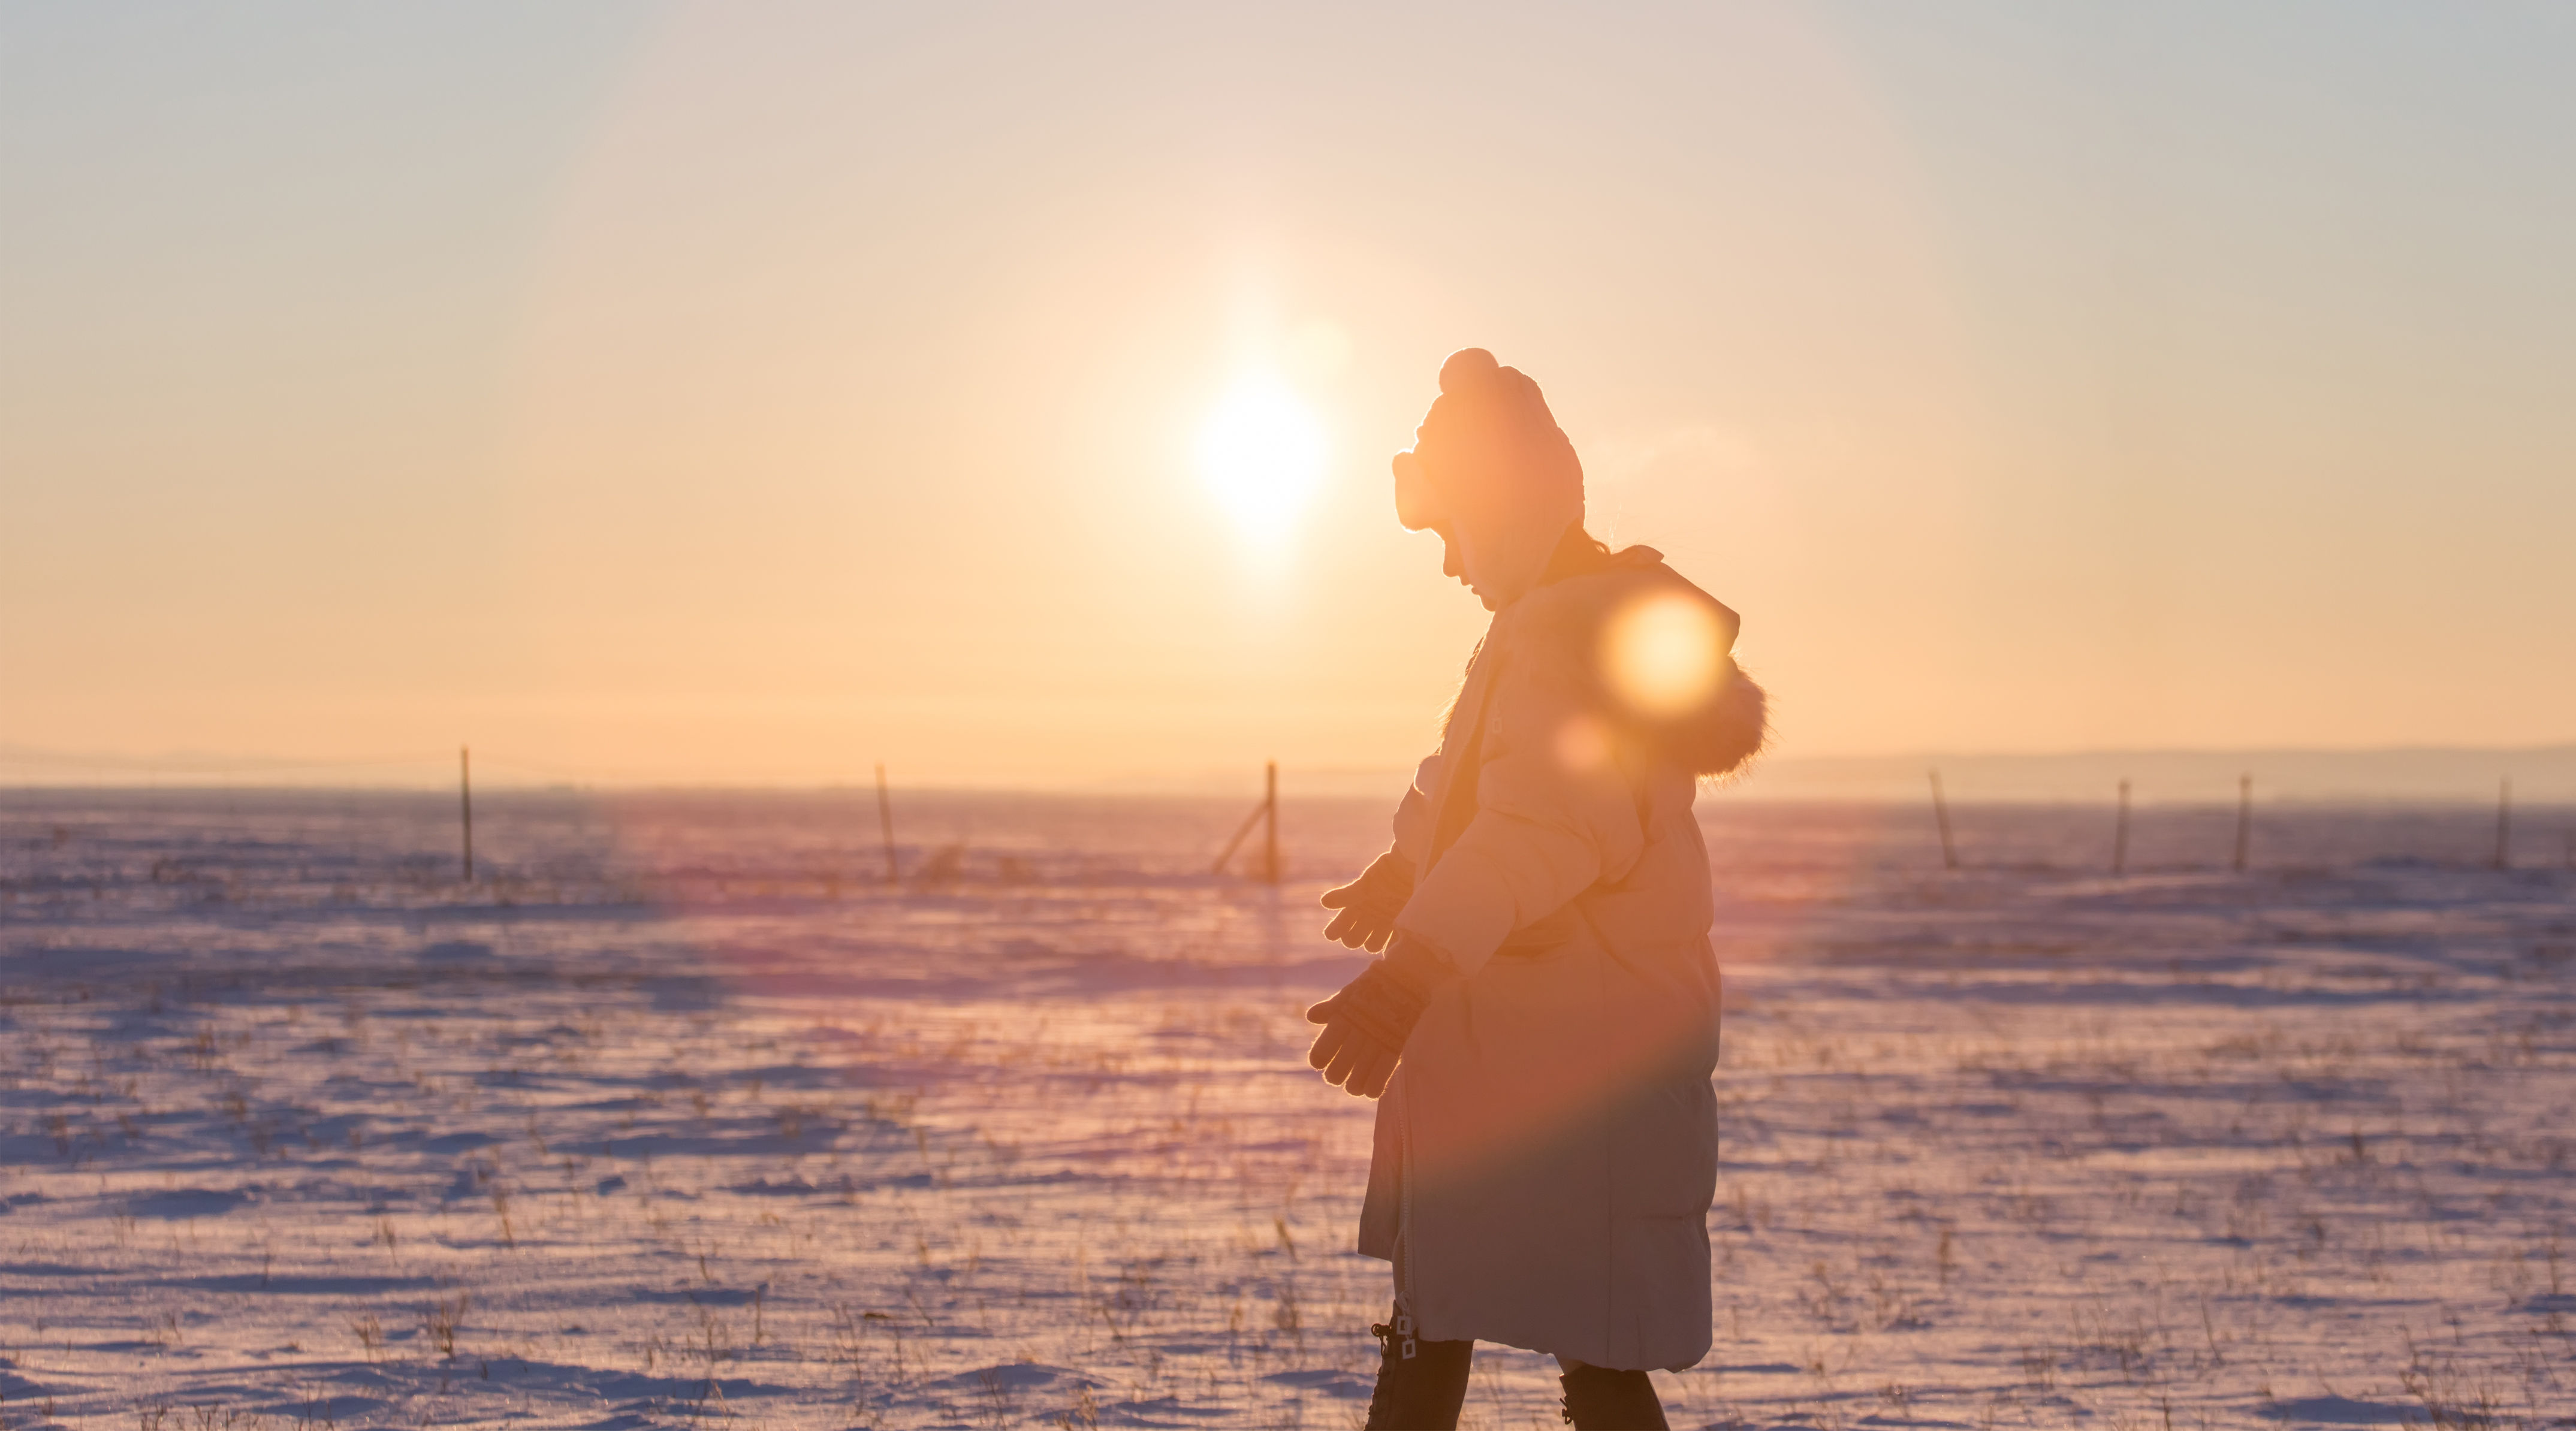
x,y
681,1113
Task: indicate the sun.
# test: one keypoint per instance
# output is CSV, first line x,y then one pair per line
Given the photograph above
x,y
1261,453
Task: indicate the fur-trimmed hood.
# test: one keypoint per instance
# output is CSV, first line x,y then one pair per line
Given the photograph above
x,y
1654,653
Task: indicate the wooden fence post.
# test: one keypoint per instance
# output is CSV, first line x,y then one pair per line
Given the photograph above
x,y
1265,813
885,825
465,804
1270,835
2244,819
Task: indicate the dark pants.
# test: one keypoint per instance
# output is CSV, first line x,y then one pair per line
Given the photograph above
x,y
1421,1384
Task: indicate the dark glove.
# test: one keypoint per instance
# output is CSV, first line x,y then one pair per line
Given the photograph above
x,y
1366,1024
1370,903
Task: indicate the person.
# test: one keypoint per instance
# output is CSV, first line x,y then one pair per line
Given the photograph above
x,y
1542,1024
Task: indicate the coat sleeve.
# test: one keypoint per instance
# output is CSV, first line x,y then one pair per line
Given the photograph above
x,y
1554,816
1413,817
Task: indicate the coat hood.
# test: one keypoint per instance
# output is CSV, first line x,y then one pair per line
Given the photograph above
x,y
1654,652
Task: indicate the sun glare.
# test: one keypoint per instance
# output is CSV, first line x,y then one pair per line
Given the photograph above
x,y
1261,454
1665,655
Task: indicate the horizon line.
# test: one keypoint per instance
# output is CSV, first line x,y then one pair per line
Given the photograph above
x,y
207,762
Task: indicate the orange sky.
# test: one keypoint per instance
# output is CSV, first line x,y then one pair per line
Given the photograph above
x,y
756,393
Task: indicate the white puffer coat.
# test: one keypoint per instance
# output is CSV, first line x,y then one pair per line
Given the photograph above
x,y
1547,1152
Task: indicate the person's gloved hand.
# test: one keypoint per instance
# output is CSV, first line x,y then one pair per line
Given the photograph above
x,y
1366,1024
1368,905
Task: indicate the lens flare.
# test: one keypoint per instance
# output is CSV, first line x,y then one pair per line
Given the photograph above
x,y
1261,454
1665,654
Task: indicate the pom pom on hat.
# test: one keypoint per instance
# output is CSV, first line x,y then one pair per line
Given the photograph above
x,y
1467,368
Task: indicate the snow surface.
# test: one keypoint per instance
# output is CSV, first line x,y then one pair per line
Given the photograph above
x,y
681,1113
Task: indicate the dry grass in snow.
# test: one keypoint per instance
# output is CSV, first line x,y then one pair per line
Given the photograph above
x,y
684,1117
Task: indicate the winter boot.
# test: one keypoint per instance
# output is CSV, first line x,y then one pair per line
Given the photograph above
x,y
1420,1384
1599,1399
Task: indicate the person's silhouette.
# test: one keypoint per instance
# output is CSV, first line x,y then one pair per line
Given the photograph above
x,y
1543,1023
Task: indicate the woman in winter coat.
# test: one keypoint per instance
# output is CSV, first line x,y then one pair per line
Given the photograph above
x,y
1542,1027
